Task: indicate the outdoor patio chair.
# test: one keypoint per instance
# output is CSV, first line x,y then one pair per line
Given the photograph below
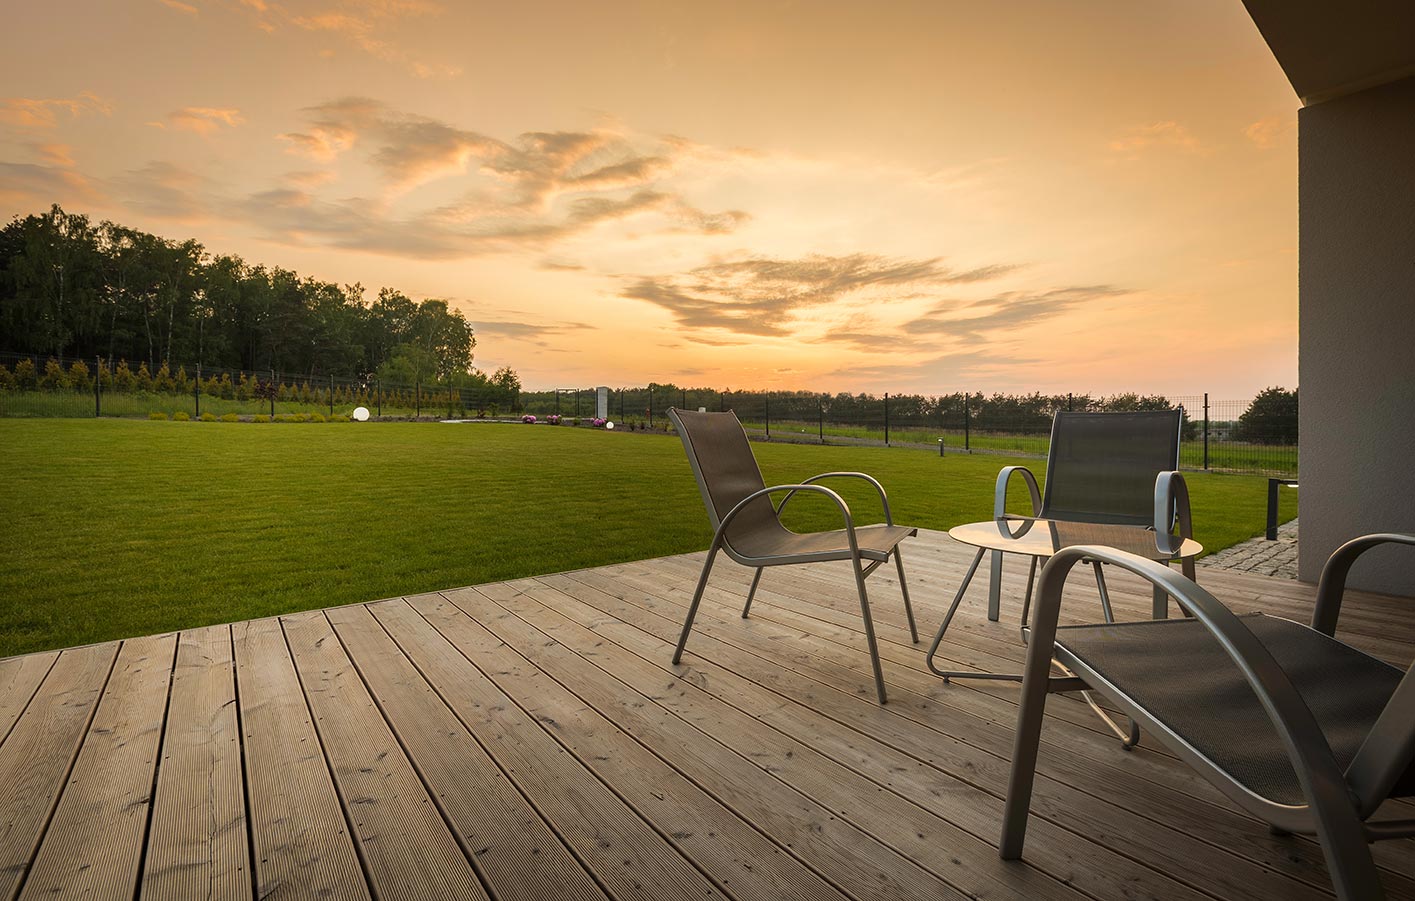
x,y
748,527
1297,728
1111,468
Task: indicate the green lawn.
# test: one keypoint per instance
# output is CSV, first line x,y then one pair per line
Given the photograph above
x,y
116,528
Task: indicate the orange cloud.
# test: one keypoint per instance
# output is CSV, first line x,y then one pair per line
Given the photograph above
x,y
179,6
1265,133
205,120
34,113
1168,134
55,154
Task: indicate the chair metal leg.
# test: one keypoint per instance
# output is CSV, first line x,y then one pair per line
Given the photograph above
x,y
869,629
1027,601
1130,735
752,592
1024,767
697,599
995,588
948,618
904,590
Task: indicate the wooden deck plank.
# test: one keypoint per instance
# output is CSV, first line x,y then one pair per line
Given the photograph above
x,y
848,856
197,847
406,845
94,843
699,721
630,858
517,853
965,744
19,680
300,840
37,755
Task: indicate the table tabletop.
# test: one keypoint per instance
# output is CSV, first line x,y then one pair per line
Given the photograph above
x,y
1044,537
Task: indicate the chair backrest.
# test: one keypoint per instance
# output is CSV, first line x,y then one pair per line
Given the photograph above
x,y
726,469
1102,466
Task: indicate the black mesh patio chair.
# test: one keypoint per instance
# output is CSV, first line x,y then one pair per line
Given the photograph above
x,y
1110,468
748,526
1295,727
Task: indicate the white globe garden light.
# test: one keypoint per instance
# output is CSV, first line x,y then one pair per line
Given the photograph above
x,y
360,414
609,425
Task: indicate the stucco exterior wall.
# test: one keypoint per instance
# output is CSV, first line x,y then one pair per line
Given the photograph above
x,y
1356,298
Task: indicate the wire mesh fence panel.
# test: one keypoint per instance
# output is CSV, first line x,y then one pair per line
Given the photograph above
x,y
1256,436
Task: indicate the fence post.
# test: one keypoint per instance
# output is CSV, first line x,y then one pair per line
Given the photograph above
x,y
1206,430
331,395
449,398
685,399
650,405
886,419
97,392
557,401
417,398
820,417
621,406
768,416
196,394
967,421
274,390
378,396
1069,405
722,402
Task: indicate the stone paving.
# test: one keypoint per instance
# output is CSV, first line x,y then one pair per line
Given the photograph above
x,y
1258,555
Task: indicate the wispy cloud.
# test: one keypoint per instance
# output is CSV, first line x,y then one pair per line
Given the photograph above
x,y
25,112
1168,135
61,155
203,120
27,185
179,6
1265,133
368,25
759,296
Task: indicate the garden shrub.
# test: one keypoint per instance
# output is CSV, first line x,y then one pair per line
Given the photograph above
x,y
25,376
208,417
283,417
155,416
340,417
181,416
7,379
317,417
301,417
163,381
123,379
230,417
260,417
78,375
181,384
228,390
54,376
143,380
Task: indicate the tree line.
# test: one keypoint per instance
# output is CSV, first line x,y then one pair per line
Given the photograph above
x,y
73,288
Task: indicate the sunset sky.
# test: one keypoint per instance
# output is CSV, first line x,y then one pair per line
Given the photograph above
x,y
896,196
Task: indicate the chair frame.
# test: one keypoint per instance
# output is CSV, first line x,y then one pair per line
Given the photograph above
x,y
1338,804
860,570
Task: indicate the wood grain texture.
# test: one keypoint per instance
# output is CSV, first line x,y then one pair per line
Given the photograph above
x,y
94,845
197,847
301,843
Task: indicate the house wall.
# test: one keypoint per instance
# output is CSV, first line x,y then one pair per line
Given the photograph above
x,y
1356,363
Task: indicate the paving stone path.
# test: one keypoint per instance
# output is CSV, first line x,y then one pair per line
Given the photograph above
x,y
1258,555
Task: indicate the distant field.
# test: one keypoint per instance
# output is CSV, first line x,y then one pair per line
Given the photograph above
x,y
117,528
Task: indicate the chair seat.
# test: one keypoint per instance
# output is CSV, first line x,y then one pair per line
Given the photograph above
x,y
876,543
1177,672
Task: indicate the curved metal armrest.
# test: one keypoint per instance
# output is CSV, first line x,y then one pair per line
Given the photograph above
x,y
1332,584
999,503
883,498
771,489
1172,505
1321,778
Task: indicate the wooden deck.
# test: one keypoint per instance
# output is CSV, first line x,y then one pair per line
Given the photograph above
x,y
530,740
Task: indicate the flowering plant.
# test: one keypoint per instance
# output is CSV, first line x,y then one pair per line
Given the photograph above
x,y
598,423
528,419
553,419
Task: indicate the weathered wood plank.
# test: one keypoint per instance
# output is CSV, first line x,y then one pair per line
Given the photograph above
x,y
409,852
19,680
197,846
94,843
300,840
518,854
630,859
35,759
730,753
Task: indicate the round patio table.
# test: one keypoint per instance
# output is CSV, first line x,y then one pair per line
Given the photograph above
x,y
1040,538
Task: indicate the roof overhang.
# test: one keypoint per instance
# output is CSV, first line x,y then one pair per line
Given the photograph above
x,y
1330,48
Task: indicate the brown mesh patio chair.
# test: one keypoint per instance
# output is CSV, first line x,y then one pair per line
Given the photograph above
x,y
1110,468
1294,726
747,526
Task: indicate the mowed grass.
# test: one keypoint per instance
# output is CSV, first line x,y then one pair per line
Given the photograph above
x,y
116,528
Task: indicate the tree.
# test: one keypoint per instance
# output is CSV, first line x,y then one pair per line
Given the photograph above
x,y
1270,419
